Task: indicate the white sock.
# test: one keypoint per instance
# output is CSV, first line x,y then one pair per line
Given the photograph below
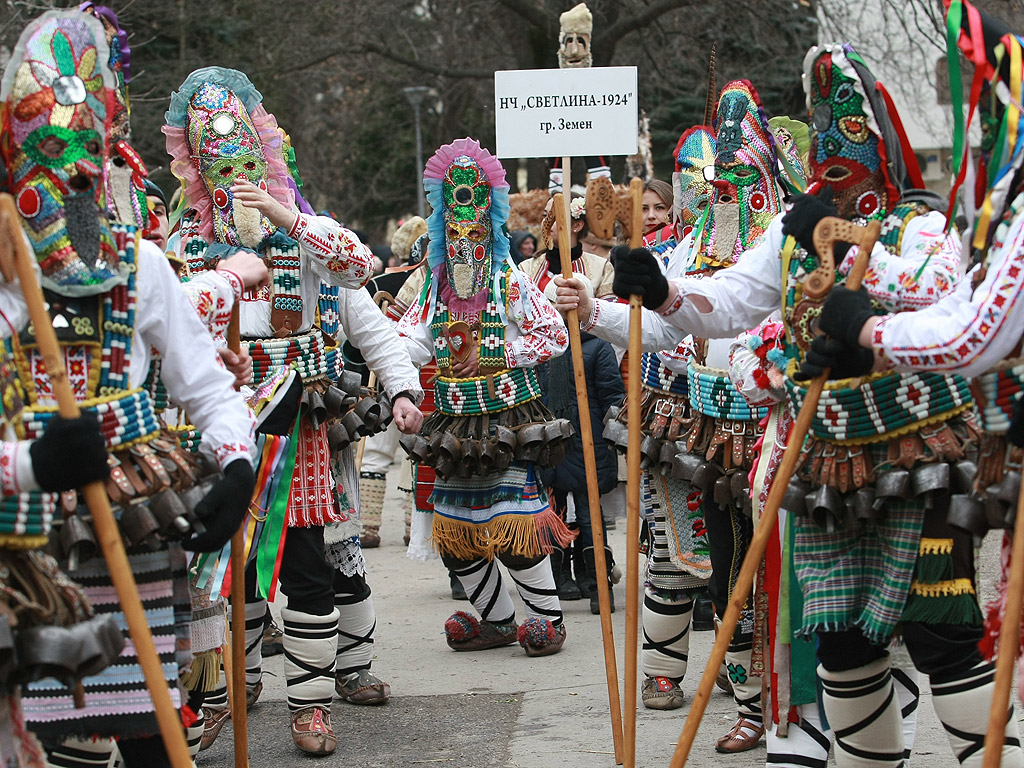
x,y
310,645
482,582
536,586
862,708
666,627
962,704
356,625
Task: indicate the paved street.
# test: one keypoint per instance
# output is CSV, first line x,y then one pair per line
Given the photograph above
x,y
498,707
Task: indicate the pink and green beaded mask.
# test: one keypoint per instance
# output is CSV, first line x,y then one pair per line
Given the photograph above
x,y
466,194
225,146
747,195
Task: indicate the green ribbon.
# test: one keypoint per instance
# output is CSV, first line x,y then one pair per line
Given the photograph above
x,y
277,510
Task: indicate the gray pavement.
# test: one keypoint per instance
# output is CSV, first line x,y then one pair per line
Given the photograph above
x,y
498,707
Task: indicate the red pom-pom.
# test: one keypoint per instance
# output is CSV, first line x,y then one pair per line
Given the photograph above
x,y
536,632
462,626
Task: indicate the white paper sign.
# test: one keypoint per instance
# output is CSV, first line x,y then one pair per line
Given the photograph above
x,y
576,112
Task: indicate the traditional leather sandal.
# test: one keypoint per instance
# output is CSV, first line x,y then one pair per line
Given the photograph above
x,y
464,632
539,637
362,687
745,735
312,731
661,693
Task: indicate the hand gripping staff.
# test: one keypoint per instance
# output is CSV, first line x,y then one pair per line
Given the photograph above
x,y
829,230
604,208
560,205
239,716
96,496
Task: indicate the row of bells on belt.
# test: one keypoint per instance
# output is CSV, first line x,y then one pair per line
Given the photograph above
x,y
543,443
668,457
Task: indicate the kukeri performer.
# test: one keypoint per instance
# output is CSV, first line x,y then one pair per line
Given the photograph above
x,y
892,559
487,325
227,151
112,297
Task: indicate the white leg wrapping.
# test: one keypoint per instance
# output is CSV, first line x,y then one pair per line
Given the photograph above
x,y
905,681
536,586
194,734
218,698
482,582
963,704
357,623
666,627
806,746
254,615
862,708
82,753
746,687
310,645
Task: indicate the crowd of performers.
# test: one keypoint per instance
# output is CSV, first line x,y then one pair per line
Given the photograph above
x,y
913,452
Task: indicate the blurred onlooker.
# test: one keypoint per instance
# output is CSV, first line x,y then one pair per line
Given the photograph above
x,y
524,245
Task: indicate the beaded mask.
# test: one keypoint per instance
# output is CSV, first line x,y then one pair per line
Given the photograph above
x,y
53,128
847,150
692,181
466,187
225,146
125,171
746,196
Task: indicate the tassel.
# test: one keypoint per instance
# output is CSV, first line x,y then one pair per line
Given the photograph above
x,y
204,673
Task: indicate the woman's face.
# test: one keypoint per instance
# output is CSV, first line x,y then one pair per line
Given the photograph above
x,y
655,211
528,246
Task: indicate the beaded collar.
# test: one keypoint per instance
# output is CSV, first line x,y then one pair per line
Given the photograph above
x,y
95,332
488,331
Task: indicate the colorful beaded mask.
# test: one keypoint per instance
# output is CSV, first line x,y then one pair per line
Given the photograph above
x,y
746,195
225,146
466,188
125,171
847,151
53,112
692,181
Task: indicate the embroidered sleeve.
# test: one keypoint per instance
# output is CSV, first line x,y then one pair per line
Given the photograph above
x,y
212,294
190,366
336,253
757,363
16,474
414,331
375,336
968,331
925,270
544,335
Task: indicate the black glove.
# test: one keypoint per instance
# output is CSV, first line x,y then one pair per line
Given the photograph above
x,y
71,453
804,215
1016,432
844,314
638,271
843,360
223,509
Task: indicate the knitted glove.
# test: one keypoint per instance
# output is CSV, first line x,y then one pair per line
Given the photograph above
x,y
844,314
843,360
804,215
637,272
1016,432
224,507
71,453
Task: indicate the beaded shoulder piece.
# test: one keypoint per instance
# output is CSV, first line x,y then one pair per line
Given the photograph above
x,y
96,334
489,329
799,311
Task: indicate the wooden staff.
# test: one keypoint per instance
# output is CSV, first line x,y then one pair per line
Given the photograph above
x,y
1009,643
382,299
96,497
563,217
829,230
239,715
633,472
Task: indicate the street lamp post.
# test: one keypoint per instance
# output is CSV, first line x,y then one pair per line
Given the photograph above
x,y
415,94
